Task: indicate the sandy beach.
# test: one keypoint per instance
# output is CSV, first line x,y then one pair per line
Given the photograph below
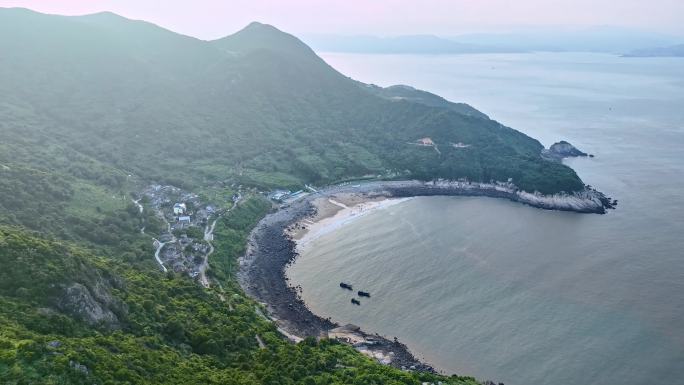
x,y
334,212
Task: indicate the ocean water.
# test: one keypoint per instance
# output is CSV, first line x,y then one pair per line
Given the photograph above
x,y
502,291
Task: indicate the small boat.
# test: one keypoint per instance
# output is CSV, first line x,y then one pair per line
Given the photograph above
x,y
356,301
345,286
363,294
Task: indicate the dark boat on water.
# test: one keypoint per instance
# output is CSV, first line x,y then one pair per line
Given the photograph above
x,y
356,301
345,286
363,294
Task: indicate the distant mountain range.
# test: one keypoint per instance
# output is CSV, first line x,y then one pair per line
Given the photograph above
x,y
670,51
415,44
599,39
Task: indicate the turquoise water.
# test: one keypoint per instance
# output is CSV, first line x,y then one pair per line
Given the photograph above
x,y
502,291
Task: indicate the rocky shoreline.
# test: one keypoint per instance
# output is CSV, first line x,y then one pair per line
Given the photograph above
x,y
262,276
271,249
588,200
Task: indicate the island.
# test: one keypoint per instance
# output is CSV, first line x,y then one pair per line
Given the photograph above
x,y
670,51
561,150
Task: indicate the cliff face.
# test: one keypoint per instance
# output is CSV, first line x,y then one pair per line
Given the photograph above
x,y
90,296
60,279
91,307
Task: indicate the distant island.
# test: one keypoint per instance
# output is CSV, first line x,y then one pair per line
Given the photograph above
x,y
561,150
669,51
414,44
611,40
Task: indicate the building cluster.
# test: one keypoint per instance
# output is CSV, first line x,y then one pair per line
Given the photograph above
x,y
281,196
184,248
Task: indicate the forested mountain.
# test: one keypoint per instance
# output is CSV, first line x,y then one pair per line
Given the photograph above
x,y
95,107
259,104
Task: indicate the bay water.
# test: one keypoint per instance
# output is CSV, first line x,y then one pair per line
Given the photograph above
x,y
502,291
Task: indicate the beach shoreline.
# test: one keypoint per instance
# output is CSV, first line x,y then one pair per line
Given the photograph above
x,y
280,236
334,212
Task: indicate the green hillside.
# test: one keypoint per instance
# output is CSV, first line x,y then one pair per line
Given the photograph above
x,y
259,105
95,108
68,317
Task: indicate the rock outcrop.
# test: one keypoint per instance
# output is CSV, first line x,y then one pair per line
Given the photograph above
x,y
560,150
90,306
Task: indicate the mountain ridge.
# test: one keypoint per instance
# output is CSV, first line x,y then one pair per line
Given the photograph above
x,y
123,84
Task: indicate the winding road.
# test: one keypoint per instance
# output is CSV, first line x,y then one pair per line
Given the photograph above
x,y
209,237
160,245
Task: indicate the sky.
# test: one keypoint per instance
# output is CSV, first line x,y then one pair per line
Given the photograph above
x,y
210,19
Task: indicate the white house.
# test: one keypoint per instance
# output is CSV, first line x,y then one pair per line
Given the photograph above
x,y
179,208
426,142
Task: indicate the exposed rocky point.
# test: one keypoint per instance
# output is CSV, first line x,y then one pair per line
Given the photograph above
x,y
560,150
93,308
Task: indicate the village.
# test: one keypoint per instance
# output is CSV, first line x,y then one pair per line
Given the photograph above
x,y
184,245
185,242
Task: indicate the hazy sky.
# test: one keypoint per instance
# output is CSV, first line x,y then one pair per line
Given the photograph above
x,y
209,19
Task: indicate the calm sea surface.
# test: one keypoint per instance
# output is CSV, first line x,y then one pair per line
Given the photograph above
x,y
502,291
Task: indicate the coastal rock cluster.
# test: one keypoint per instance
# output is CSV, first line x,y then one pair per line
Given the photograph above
x,y
262,276
560,150
588,200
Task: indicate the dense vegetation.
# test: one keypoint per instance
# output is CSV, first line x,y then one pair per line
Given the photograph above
x,y
94,108
169,330
71,209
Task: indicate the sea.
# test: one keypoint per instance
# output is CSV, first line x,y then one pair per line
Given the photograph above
x,y
505,292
